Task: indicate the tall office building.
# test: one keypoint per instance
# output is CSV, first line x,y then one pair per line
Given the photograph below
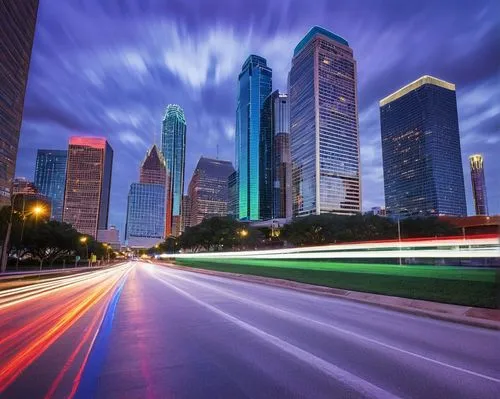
x,y
153,168
146,205
476,162
17,30
173,146
50,178
88,184
208,189
276,171
254,85
145,225
324,136
423,174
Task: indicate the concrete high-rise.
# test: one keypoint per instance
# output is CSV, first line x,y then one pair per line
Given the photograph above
x,y
17,30
254,85
50,178
423,173
88,184
173,147
476,162
276,170
146,205
208,189
324,136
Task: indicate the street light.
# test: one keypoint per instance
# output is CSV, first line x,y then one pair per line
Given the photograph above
x,y
243,233
83,240
37,210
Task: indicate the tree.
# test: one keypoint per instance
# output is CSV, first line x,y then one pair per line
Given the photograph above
x,y
48,241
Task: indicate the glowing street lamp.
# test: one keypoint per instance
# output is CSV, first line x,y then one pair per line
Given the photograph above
x,y
243,233
83,241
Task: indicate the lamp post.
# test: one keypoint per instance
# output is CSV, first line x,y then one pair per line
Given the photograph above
x,y
4,258
83,240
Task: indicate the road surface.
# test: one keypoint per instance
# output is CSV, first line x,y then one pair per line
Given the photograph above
x,y
155,332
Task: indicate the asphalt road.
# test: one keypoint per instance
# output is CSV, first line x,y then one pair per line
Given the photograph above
x,y
178,334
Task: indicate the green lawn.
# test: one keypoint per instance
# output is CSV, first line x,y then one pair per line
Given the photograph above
x,y
464,286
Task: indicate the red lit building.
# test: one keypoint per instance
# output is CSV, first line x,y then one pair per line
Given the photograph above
x,y
88,184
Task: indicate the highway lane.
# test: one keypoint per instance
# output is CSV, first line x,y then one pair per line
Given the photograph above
x,y
47,329
188,335
147,331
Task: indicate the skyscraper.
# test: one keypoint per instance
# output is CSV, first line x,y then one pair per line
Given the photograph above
x,y
232,193
478,184
145,225
88,184
173,146
208,189
50,178
276,171
17,30
153,168
324,137
254,85
186,212
146,205
423,172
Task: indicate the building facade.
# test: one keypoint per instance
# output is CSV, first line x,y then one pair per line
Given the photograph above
x,y
111,237
324,134
154,168
232,193
173,146
208,189
17,31
186,212
423,174
88,184
145,226
50,178
254,86
476,163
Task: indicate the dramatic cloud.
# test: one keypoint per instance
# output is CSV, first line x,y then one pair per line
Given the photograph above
x,y
111,67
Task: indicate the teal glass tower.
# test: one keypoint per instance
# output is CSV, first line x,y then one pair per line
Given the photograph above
x,y
254,85
173,147
50,178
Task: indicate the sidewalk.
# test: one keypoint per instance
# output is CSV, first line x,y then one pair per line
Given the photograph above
x,y
480,317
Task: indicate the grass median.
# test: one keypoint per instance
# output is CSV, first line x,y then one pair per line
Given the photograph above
x,y
457,285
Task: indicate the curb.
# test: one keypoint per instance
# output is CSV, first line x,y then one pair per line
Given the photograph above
x,y
445,312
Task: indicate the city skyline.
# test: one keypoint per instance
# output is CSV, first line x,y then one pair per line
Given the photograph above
x,y
208,93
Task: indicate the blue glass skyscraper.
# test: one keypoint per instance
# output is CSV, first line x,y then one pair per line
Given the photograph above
x,y
50,178
423,173
254,85
145,215
173,147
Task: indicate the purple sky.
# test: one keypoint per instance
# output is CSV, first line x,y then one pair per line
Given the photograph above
x,y
111,67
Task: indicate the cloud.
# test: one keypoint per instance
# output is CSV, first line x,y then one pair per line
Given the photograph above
x,y
129,137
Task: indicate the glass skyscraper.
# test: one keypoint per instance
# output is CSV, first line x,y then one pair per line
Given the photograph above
x,y
275,165
145,215
173,146
476,162
232,194
88,184
324,137
50,178
208,189
254,85
423,174
17,30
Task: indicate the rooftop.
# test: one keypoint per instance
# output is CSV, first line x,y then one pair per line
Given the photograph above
x,y
318,30
426,79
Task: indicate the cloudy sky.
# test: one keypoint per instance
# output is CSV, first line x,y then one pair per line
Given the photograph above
x,y
111,67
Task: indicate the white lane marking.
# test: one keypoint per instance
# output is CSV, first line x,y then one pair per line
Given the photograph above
x,y
292,315
360,385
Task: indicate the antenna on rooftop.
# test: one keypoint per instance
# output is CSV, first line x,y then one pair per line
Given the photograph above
x,y
217,157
